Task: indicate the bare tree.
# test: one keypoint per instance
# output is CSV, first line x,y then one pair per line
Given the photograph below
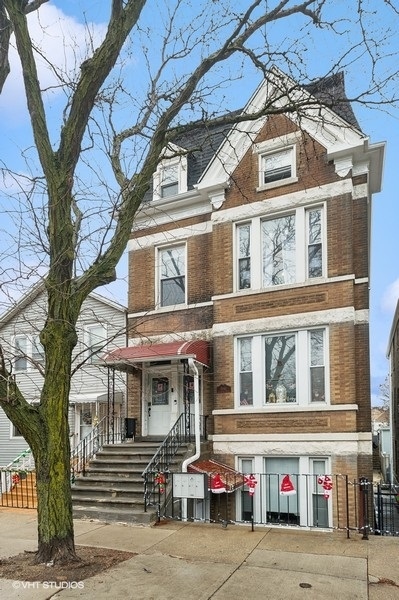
x,y
385,393
81,209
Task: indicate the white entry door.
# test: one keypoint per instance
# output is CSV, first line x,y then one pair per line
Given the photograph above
x,y
158,406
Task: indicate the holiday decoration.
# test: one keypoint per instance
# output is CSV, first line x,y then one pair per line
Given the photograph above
x,y
216,484
251,482
287,487
15,479
326,483
160,480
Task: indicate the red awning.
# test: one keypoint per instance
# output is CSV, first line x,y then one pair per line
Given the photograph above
x,y
221,477
197,349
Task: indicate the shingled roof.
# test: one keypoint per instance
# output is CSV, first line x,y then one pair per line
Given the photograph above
x,y
203,140
330,91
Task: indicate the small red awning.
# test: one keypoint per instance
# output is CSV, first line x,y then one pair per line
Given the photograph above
x,y
197,349
221,477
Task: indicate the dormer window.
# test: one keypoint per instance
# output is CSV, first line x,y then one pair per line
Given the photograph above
x,y
169,181
170,178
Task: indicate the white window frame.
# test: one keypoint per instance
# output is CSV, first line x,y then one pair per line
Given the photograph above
x,y
158,274
94,356
25,356
301,248
30,357
305,493
272,148
37,350
302,372
175,161
13,435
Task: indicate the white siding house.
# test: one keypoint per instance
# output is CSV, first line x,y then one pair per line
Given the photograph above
x,y
101,327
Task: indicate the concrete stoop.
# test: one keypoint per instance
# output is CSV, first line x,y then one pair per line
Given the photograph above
x,y
112,489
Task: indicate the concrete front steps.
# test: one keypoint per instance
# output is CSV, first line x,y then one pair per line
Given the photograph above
x,y
113,488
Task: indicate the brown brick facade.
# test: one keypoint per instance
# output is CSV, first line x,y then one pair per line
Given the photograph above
x,y
337,303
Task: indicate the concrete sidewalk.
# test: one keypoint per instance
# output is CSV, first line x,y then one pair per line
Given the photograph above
x,y
180,561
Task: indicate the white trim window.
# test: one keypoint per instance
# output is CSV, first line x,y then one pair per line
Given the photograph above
x,y
291,249
15,432
96,341
306,505
277,166
170,178
244,255
37,351
21,353
172,275
284,368
169,185
277,161
28,352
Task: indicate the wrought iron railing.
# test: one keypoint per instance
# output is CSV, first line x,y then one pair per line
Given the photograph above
x,y
181,433
107,431
24,461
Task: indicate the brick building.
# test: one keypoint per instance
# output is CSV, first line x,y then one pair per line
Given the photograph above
x,y
249,273
393,357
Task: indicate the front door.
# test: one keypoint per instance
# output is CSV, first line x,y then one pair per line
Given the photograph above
x,y
158,406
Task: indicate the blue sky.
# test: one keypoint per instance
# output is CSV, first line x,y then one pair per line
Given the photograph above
x,y
319,51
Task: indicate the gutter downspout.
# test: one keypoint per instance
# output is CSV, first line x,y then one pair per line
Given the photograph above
x,y
197,431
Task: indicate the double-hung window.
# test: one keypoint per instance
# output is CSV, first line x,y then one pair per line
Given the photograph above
x,y
96,341
244,255
290,247
29,353
172,275
245,371
277,166
282,368
169,181
21,353
37,351
170,178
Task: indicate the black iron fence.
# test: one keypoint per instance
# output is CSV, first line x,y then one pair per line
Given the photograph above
x,y
386,505
309,501
156,474
18,488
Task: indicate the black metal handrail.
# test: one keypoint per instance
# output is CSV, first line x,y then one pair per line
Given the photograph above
x,y
181,433
107,431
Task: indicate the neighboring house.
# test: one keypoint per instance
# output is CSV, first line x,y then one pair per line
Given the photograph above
x,y
101,326
379,418
249,264
393,357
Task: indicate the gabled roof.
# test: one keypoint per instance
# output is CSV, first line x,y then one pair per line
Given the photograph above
x,y
35,291
205,138
343,141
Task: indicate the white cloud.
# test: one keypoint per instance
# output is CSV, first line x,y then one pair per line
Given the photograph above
x,y
63,43
390,297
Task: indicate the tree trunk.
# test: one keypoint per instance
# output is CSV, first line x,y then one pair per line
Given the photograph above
x,y
52,452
